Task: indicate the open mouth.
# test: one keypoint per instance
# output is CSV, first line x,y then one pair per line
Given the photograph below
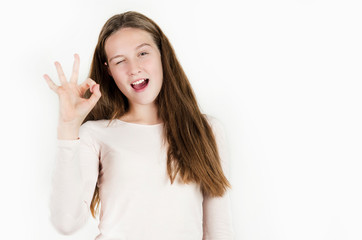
x,y
140,84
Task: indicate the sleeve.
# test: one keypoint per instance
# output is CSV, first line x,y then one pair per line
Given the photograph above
x,y
73,181
217,218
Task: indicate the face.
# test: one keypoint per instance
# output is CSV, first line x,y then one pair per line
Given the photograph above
x,y
134,62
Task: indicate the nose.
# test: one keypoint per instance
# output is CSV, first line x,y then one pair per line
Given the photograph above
x,y
134,68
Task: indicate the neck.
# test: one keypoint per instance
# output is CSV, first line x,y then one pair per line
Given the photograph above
x,y
142,114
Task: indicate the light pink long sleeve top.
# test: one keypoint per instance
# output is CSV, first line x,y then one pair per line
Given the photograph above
x,y
127,161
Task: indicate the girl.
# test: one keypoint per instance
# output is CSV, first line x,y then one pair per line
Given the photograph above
x,y
137,144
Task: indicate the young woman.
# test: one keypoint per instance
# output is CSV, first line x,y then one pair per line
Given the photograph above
x,y
137,144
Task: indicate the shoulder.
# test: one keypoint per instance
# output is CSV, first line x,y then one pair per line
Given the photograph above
x,y
92,132
93,127
94,124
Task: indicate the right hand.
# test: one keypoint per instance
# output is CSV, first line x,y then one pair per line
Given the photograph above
x,y
73,107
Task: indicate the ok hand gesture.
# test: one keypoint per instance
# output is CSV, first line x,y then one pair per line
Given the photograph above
x,y
73,108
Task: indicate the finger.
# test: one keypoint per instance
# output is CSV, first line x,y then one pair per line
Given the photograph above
x,y
95,96
88,83
75,73
50,83
61,74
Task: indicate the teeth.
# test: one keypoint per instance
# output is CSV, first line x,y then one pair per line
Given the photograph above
x,y
138,82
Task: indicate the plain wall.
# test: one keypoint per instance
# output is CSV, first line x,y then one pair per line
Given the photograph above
x,y
284,77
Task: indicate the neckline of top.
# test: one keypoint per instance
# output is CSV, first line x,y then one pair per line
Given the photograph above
x,y
138,124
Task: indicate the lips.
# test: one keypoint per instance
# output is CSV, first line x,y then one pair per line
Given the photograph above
x,y
140,84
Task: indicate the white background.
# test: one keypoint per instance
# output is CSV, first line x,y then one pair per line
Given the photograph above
x,y
284,77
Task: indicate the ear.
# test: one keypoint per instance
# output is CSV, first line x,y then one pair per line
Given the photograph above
x,y
109,71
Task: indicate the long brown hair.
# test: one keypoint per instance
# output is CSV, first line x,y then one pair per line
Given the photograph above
x,y
192,151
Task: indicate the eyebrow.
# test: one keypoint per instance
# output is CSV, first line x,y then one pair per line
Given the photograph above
x,y
139,46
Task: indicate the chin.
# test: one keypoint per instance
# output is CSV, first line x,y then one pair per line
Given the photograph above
x,y
145,101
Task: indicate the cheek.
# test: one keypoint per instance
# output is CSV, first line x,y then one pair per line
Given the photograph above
x,y
160,72
118,75
156,67
120,79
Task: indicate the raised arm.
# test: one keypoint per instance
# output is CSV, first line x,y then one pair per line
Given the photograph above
x,y
76,165
217,219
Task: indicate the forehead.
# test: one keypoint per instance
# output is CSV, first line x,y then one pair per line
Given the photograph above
x,y
127,39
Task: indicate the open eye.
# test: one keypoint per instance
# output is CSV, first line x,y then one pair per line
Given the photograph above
x,y
143,53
